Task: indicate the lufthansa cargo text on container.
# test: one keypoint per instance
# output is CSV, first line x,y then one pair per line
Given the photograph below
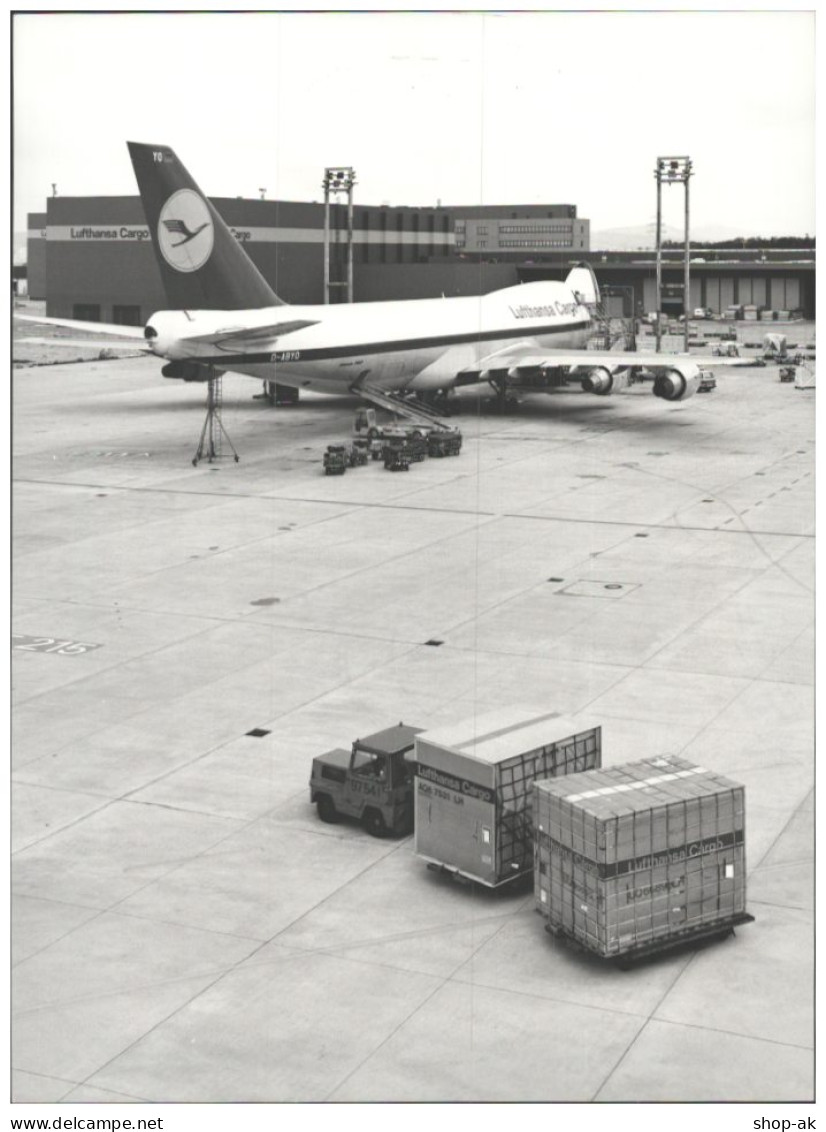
x,y
457,785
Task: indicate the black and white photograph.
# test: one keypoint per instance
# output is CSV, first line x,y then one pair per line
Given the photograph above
x,y
412,566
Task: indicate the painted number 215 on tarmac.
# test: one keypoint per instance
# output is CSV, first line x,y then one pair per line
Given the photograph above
x,y
25,643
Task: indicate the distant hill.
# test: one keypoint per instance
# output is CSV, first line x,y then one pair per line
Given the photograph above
x,y
643,236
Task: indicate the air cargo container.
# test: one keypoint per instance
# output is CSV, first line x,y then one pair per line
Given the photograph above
x,y
473,788
635,859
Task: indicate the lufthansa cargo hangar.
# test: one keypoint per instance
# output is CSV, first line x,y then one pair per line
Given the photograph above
x,y
91,258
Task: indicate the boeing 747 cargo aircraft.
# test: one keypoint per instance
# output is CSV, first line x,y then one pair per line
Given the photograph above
x,y
224,316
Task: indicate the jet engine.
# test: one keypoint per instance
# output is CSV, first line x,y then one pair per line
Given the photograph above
x,y
190,371
602,381
678,383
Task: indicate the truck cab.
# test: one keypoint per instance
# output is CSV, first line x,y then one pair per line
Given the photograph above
x,y
372,782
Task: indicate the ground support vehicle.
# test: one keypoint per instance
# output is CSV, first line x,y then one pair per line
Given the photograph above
x,y
396,460
730,351
707,381
444,443
358,453
411,442
277,394
372,782
336,459
787,374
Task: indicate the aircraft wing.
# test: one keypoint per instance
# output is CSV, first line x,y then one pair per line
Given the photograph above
x,y
246,340
525,356
84,344
110,329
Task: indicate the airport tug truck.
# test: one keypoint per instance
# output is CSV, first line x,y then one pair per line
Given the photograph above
x,y
472,796
638,859
372,782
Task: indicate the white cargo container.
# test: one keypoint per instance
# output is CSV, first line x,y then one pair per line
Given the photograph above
x,y
472,799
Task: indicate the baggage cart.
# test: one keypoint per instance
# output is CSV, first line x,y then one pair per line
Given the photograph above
x,y
336,459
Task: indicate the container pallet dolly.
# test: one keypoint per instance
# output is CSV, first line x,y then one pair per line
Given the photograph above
x,y
676,941
397,462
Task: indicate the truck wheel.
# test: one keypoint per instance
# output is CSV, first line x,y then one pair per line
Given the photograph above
x,y
326,808
374,823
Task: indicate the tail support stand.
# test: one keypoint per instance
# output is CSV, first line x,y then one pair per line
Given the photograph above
x,y
213,432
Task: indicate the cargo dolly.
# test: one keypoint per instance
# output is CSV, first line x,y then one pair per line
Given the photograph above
x,y
336,459
680,940
396,460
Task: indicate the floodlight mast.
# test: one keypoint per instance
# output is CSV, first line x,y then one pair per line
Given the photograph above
x,y
672,170
338,179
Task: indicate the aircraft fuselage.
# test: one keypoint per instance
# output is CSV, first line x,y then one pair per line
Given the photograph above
x,y
406,345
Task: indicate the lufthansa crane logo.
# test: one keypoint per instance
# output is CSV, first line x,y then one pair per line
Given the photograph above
x,y
185,231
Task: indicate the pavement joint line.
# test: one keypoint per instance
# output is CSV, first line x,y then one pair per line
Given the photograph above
x,y
231,739
647,1021
707,615
137,988
115,1092
106,803
43,1077
151,1029
652,1016
355,505
39,951
795,812
778,659
733,1034
456,978
443,981
380,941
770,867
764,903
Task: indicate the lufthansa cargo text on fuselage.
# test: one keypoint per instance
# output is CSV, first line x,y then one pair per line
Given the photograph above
x,y
550,310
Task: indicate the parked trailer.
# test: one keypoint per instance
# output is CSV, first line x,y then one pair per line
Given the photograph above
x,y
472,796
641,858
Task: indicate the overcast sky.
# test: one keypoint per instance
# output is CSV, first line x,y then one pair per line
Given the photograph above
x,y
463,108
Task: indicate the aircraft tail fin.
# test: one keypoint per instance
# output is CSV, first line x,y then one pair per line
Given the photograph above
x,y
583,282
202,265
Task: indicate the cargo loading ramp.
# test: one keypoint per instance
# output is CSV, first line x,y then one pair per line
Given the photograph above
x,y
416,412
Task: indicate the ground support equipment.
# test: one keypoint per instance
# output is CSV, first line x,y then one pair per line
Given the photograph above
x,y
630,956
336,459
213,432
